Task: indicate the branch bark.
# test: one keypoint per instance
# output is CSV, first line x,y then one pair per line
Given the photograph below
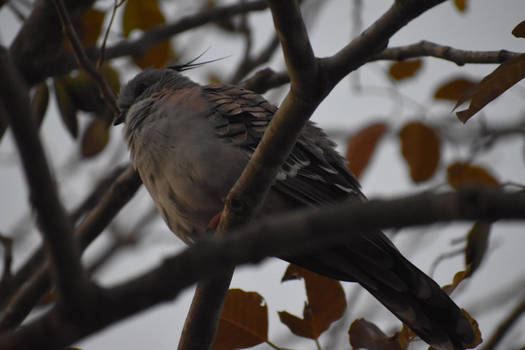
x,y
56,226
270,237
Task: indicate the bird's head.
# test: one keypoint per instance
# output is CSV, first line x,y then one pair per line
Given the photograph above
x,y
152,80
144,84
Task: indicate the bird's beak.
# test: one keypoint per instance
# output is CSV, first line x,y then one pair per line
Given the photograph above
x,y
121,117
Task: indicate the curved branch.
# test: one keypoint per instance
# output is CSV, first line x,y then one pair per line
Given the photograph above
x,y
271,237
459,57
56,226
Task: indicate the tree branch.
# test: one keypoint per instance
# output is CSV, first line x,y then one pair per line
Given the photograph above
x,y
33,280
427,48
38,63
505,326
83,61
55,224
270,237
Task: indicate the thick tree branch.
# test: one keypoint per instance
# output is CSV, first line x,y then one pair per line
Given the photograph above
x,y
271,237
33,279
427,48
55,224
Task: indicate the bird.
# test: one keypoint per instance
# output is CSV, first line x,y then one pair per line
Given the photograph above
x,y
190,143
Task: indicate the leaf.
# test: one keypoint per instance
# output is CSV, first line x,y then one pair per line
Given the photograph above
x,y
3,121
326,303
366,335
461,5
477,243
143,15
453,89
460,174
404,69
91,26
519,30
361,146
243,322
420,147
66,106
85,92
493,85
95,138
39,102
458,278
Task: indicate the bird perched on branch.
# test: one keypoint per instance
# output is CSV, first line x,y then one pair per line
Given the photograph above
x,y
190,143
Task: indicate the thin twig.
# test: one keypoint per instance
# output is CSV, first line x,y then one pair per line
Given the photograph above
x,y
504,327
83,61
106,34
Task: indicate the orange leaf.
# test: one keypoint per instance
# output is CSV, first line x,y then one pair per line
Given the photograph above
x,y
404,69
519,30
458,278
461,5
243,322
143,15
477,242
493,85
366,335
91,26
95,138
326,303
420,146
461,174
452,90
361,146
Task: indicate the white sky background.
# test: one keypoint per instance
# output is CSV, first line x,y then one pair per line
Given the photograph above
x,y
486,26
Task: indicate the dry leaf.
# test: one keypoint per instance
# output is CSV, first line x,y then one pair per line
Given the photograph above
x,y
361,146
460,174
243,322
404,69
453,89
95,138
461,5
420,146
477,243
519,30
493,85
326,303
366,335
66,106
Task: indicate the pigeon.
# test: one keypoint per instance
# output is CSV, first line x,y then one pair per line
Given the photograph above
x,y
190,143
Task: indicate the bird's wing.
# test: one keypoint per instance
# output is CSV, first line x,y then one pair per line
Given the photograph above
x,y
313,174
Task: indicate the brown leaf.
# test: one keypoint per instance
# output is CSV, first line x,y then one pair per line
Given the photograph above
x,y
404,69
95,138
66,106
458,278
39,102
519,30
366,335
243,322
361,146
420,146
326,303
460,174
453,89
91,26
461,5
477,243
493,85
143,15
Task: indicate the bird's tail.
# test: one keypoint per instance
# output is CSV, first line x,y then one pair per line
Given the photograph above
x,y
373,261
